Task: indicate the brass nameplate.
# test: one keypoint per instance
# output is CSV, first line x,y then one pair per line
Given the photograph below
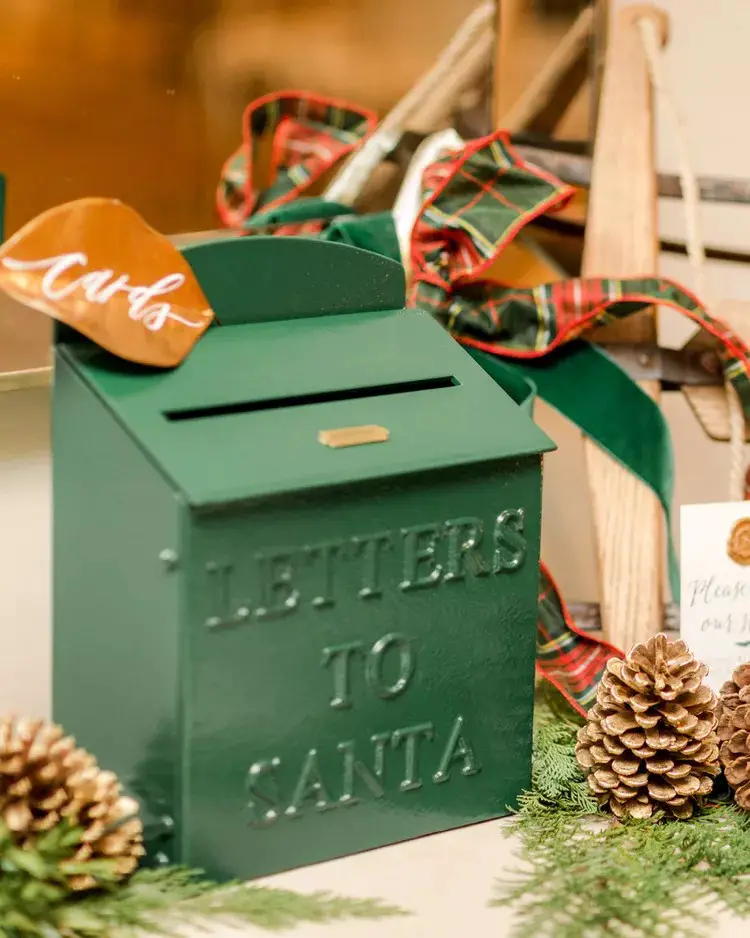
x,y
353,436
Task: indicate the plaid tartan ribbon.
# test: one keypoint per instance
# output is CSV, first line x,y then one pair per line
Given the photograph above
x,y
569,659
475,201
309,135
531,323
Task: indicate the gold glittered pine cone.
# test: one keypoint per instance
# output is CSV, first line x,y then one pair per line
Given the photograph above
x,y
733,714
650,742
45,779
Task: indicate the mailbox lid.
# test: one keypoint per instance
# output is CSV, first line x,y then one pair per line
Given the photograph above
x,y
240,418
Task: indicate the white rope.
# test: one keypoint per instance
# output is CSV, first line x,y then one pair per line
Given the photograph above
x,y
409,198
472,38
694,242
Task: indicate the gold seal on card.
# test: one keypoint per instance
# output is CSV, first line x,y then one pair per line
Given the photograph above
x,y
738,545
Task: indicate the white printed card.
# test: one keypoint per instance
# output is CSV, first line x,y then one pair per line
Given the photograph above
x,y
715,587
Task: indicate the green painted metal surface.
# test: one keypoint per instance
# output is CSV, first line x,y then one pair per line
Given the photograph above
x,y
291,652
240,418
117,617
260,278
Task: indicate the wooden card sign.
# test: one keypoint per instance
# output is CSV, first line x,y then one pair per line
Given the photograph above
x,y
96,266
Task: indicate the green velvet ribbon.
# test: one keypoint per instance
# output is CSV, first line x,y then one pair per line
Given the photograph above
x,y
586,386
300,210
374,232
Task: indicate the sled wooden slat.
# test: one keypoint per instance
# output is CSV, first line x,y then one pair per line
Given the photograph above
x,y
622,241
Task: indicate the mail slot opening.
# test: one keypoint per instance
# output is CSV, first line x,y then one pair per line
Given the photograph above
x,y
321,397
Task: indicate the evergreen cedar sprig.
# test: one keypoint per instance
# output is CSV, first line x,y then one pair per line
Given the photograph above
x,y
588,876
36,901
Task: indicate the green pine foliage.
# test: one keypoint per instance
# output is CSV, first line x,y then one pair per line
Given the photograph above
x,y
36,903
584,875
557,783
162,900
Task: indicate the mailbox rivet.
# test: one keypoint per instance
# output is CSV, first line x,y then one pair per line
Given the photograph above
x,y
167,822
161,859
169,558
242,613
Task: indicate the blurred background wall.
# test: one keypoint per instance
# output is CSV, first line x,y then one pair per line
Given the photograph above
x,y
142,99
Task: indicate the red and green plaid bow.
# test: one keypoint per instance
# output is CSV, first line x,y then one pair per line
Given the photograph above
x,y
310,135
474,202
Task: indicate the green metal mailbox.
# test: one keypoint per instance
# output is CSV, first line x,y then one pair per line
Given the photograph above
x,y
289,647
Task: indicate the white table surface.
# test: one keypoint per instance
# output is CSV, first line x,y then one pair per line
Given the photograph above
x,y
445,881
